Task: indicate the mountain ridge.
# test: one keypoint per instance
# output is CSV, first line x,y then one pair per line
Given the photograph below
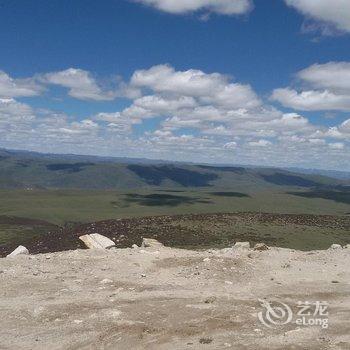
x,y
32,170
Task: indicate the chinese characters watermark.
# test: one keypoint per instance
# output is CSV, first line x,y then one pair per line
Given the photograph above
x,y
275,314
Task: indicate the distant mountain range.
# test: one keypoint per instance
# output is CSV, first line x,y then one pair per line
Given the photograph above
x,y
24,170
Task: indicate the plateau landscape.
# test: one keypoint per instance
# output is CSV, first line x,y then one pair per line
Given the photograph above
x,y
174,174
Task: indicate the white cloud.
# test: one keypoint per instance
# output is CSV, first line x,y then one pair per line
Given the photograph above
x,y
80,83
341,131
224,7
260,143
210,88
10,108
327,88
334,76
160,105
312,100
337,146
200,117
335,13
230,145
190,94
10,87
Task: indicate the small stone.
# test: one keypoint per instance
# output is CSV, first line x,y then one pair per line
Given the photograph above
x,y
78,321
206,260
151,243
134,246
336,246
143,275
261,247
106,281
210,300
205,340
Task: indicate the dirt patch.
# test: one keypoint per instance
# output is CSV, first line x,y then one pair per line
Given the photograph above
x,y
170,299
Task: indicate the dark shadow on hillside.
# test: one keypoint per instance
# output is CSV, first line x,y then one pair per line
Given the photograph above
x,y
157,199
236,170
154,175
337,196
68,167
289,180
230,194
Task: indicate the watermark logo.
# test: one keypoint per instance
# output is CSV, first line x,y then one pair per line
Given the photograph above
x,y
277,314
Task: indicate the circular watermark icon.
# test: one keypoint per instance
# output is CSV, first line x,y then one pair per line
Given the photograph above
x,y
275,314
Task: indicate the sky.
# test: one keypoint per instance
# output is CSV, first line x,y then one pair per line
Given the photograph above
x,y
258,82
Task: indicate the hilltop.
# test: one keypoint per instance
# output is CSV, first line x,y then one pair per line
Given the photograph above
x,y
171,299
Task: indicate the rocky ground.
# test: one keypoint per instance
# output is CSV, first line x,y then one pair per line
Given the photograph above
x,y
163,298
197,231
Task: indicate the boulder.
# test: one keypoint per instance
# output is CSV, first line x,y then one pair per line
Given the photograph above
x,y
242,245
151,243
336,246
261,247
20,250
97,241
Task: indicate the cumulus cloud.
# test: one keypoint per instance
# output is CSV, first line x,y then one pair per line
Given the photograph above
x,y
202,92
341,131
327,88
81,84
334,76
312,100
198,116
332,15
10,87
223,7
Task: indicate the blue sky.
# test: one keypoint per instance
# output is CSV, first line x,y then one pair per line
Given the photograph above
x,y
262,82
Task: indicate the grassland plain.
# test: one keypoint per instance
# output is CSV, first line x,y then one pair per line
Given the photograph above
x,y
26,215
64,206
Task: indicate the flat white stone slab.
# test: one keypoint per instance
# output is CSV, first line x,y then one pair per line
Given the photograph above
x,y
97,241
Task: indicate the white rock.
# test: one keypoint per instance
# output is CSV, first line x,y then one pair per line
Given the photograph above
x,y
242,245
347,246
20,250
106,281
336,246
134,246
97,241
151,243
